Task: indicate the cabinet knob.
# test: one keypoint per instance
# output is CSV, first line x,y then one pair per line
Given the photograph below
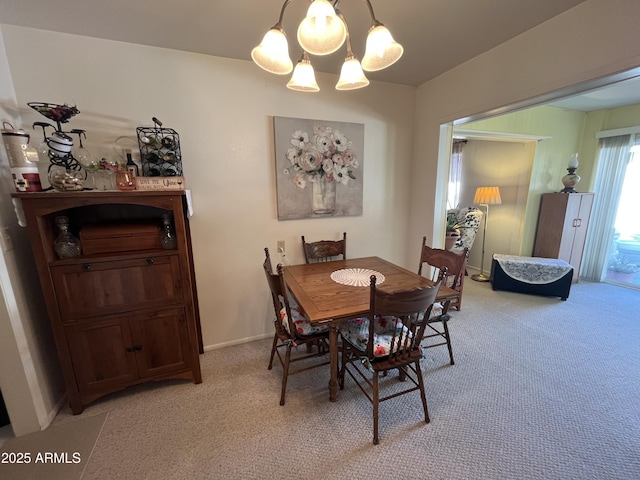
x,y
129,349
86,267
150,261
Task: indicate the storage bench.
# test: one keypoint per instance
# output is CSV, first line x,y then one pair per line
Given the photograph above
x,y
534,275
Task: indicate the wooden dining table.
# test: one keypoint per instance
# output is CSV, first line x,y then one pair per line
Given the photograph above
x,y
325,301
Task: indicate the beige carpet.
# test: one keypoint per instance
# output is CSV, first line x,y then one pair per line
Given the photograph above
x,y
541,390
61,452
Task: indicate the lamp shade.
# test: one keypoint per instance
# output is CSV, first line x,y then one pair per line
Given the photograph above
x,y
381,50
303,78
351,75
487,196
272,54
573,161
321,32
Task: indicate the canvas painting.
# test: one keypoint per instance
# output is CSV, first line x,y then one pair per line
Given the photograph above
x,y
319,168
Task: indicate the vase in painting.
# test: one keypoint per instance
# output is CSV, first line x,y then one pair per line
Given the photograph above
x,y
323,196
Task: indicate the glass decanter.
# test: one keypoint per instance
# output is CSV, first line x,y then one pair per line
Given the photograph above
x,y
168,238
66,245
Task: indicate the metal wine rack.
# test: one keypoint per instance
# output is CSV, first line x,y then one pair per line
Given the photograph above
x,y
159,151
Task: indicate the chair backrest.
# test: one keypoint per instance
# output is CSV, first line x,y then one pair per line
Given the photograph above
x,y
325,250
469,218
278,296
455,264
406,309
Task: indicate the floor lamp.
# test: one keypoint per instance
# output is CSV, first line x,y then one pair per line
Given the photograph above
x,y
485,196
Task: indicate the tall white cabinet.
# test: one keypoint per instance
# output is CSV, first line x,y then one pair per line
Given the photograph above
x,y
562,227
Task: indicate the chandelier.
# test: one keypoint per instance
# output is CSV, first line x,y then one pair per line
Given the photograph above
x,y
322,32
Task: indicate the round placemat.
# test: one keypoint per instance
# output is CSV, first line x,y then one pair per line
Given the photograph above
x,y
356,277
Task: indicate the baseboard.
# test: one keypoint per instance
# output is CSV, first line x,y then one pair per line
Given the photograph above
x,y
237,342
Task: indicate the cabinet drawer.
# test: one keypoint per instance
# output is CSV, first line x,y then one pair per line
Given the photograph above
x,y
100,288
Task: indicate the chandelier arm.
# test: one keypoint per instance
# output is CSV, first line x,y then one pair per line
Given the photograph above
x,y
284,6
374,20
341,17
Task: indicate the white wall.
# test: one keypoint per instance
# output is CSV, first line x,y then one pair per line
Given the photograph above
x,y
595,39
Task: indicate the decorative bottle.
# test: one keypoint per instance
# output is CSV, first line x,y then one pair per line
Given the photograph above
x,y
66,245
167,233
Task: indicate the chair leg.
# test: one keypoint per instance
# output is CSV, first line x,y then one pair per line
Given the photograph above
x,y
285,373
423,396
448,338
343,365
273,351
376,404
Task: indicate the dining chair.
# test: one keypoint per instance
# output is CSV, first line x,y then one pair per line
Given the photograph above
x,y
448,268
324,250
292,328
456,263
387,339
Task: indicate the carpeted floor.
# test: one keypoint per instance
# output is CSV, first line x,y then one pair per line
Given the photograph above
x,y
541,389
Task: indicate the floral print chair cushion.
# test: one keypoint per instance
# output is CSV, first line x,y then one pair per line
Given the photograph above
x,y
303,326
356,331
469,218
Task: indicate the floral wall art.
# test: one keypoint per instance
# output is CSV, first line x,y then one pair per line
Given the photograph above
x,y
319,168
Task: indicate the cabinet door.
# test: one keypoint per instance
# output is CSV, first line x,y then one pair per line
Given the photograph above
x,y
102,354
572,213
101,287
161,341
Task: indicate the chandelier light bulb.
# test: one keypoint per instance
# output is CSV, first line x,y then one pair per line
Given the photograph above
x,y
381,49
321,32
351,75
303,78
272,54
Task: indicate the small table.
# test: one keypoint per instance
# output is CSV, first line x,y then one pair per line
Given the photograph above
x,y
325,301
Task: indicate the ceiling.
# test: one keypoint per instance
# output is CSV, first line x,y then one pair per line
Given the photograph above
x,y
437,35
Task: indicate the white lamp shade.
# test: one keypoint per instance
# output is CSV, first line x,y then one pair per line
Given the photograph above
x,y
303,78
272,54
321,32
573,161
381,50
351,75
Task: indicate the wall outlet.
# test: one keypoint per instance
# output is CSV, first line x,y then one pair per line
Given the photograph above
x,y
280,246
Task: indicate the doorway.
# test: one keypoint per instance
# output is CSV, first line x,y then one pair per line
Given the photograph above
x,y
623,267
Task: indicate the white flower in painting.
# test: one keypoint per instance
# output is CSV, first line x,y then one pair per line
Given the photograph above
x,y
340,141
299,180
327,165
337,159
341,175
299,139
322,142
293,155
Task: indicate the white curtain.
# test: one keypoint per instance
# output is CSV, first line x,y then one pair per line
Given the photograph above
x,y
614,155
455,174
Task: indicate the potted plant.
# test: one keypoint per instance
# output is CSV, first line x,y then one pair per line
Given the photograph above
x,y
620,269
